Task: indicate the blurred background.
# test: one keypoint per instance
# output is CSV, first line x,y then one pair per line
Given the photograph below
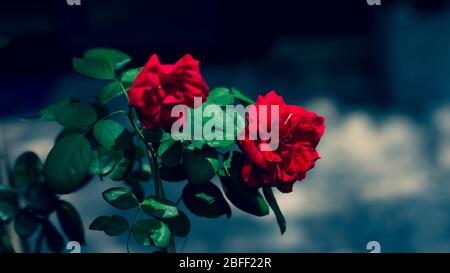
x,y
379,74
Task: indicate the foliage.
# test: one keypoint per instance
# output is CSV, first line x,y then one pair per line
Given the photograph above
x,y
94,142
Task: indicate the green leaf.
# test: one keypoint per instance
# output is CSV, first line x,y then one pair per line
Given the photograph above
x,y
170,152
70,222
41,198
112,226
109,92
27,170
173,174
246,199
268,193
69,131
9,204
48,113
100,223
221,96
122,169
200,165
114,58
120,198
151,232
130,75
68,163
112,134
159,208
180,225
205,200
54,239
26,223
240,96
104,160
96,69
76,115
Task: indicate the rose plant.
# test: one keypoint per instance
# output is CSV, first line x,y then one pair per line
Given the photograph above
x,y
93,142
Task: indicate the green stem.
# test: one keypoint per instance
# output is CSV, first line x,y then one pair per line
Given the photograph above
x,y
159,190
270,197
153,160
130,230
124,91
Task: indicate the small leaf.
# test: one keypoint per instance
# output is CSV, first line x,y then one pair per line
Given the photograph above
x,y
109,92
241,97
100,223
221,96
112,134
173,174
76,115
205,200
159,208
104,160
120,198
170,152
130,75
151,232
114,58
54,239
48,113
268,193
26,223
9,204
112,226
68,163
27,170
200,165
68,131
96,69
70,222
180,225
122,169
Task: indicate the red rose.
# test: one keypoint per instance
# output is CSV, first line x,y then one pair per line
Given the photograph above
x,y
159,87
299,133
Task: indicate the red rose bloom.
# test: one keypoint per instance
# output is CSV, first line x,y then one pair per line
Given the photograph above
x,y
159,87
299,133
